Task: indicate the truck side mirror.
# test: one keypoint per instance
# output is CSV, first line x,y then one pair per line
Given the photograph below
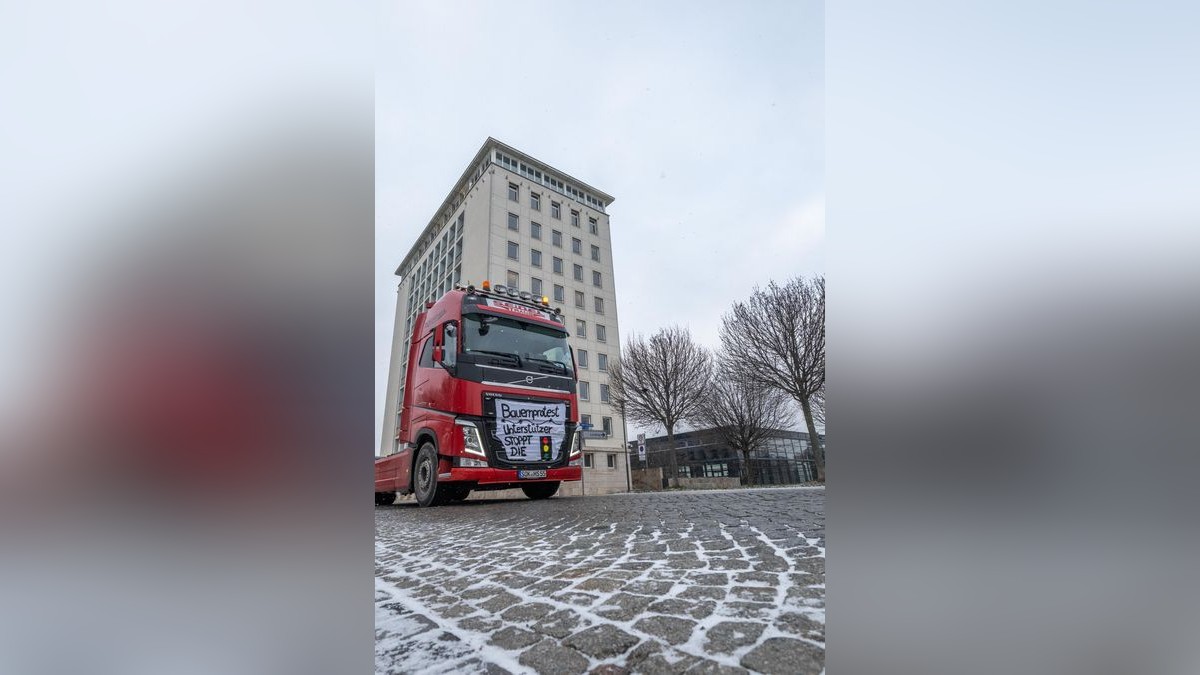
x,y
437,354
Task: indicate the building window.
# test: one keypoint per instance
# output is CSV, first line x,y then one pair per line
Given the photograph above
x,y
514,279
514,251
513,192
593,226
580,328
560,293
579,273
599,302
604,397
558,266
535,231
535,203
601,333
536,287
583,358
574,217
535,257
597,280
595,251
556,210
576,246
514,223
585,392
586,419
556,238
587,459
607,425
602,362
579,299
612,460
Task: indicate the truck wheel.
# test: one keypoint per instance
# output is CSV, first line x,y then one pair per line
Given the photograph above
x,y
540,490
384,498
425,477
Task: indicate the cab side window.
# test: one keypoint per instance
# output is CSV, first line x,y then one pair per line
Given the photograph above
x,y
450,338
426,360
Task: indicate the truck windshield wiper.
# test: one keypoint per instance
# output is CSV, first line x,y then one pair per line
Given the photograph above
x,y
506,355
559,367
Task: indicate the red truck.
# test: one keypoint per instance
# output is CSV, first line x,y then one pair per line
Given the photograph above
x,y
489,400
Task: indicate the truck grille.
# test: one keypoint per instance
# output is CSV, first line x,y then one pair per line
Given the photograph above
x,y
496,452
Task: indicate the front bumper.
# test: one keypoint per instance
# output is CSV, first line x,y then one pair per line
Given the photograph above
x,y
488,476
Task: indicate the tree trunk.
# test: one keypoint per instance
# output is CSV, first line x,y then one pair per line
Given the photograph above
x,y
814,442
672,463
747,470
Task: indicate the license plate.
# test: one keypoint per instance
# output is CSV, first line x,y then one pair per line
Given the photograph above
x,y
531,473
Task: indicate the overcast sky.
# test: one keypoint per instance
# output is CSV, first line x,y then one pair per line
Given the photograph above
x,y
704,120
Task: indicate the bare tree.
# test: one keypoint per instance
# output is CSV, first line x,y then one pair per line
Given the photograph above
x,y
744,413
661,380
818,407
777,338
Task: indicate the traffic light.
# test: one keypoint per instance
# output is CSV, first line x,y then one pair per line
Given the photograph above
x,y
547,449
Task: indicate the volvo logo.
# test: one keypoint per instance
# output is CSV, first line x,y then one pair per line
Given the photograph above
x,y
528,379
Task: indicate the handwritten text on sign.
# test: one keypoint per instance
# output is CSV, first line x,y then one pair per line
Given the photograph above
x,y
522,427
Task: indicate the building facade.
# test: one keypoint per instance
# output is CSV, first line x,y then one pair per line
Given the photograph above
x,y
785,457
514,220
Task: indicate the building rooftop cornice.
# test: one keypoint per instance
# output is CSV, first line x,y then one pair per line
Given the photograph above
x,y
485,152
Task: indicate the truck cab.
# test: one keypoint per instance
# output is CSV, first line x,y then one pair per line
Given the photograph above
x,y
489,400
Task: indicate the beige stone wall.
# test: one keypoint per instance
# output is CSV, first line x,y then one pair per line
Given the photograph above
x,y
718,483
601,480
647,479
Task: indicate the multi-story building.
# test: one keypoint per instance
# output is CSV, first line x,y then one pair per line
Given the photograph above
x,y
784,457
515,220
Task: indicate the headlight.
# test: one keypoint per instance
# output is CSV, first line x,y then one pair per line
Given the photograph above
x,y
472,442
577,446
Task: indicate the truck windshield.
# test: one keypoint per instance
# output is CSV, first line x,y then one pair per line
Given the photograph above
x,y
534,346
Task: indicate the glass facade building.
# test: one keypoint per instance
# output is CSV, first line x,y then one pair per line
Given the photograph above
x,y
783,458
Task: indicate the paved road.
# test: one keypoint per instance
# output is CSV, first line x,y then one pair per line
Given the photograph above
x,y
697,582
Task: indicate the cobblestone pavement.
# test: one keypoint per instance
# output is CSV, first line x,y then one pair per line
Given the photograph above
x,y
697,582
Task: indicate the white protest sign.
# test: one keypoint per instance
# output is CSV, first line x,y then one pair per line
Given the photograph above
x,y
523,429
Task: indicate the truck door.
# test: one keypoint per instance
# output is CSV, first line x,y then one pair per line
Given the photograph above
x,y
422,391
439,386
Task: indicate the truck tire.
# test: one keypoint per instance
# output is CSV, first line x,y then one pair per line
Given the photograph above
x,y
384,498
425,477
540,490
